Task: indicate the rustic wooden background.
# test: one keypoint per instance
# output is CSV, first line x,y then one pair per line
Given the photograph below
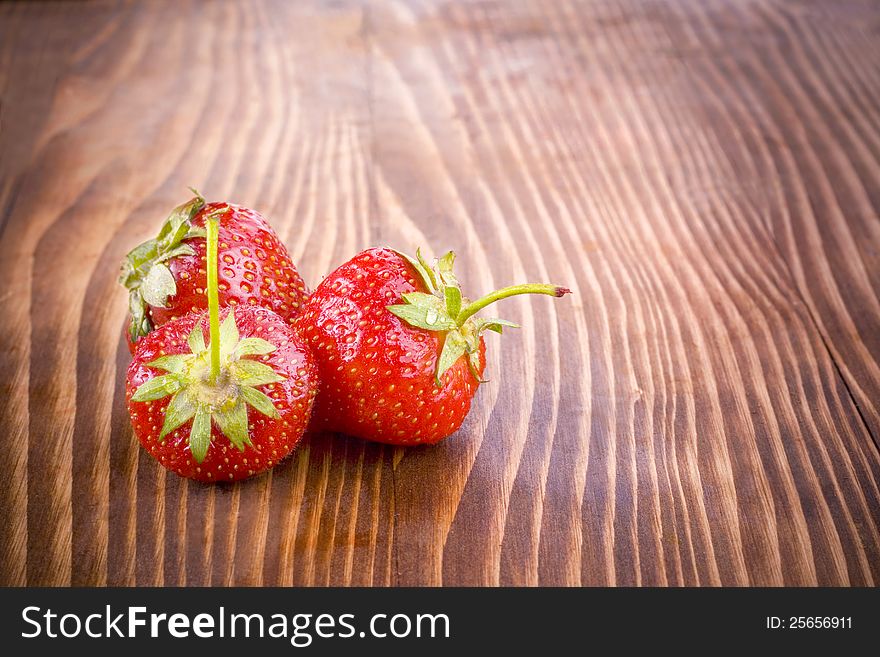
x,y
705,175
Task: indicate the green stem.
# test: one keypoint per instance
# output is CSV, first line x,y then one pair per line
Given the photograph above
x,y
528,288
211,224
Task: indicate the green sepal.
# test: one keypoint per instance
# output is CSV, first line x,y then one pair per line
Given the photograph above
x,y
454,347
180,410
183,249
253,373
144,272
444,271
161,386
423,269
228,335
427,267
494,325
200,434
424,311
174,363
426,318
132,267
233,422
196,340
173,231
423,299
453,301
179,223
158,285
253,347
260,401
474,365
139,324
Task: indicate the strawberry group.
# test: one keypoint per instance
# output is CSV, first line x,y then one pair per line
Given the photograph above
x,y
386,349
233,406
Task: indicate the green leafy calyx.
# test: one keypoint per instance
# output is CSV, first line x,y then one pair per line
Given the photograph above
x,y
445,310
224,401
145,271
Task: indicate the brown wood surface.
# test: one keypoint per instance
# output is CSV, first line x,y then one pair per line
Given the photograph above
x,y
705,175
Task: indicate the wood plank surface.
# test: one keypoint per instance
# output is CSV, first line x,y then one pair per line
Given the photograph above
x,y
705,176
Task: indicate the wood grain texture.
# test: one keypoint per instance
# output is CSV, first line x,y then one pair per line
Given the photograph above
x,y
705,409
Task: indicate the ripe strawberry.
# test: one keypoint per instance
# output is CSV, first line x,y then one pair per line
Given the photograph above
x,y
229,410
399,350
165,276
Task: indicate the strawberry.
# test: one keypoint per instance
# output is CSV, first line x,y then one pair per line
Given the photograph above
x,y
228,410
165,276
399,350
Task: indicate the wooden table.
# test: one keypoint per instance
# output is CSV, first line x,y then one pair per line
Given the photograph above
x,y
704,410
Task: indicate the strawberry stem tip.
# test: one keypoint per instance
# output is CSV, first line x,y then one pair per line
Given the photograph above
x,y
528,288
211,224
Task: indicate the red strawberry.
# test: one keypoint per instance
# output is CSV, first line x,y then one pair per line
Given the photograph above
x,y
227,411
399,350
165,276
